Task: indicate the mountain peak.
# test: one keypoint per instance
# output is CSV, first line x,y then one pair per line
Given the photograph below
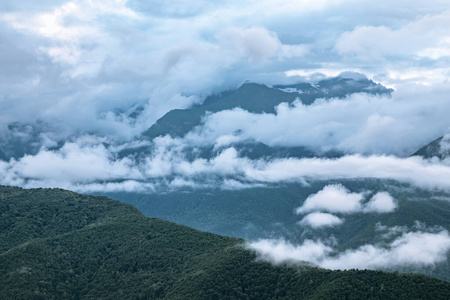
x,y
259,98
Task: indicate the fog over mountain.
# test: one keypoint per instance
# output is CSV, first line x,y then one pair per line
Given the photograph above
x,y
149,99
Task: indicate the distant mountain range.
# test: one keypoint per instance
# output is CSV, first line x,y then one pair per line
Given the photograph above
x,y
56,244
258,98
268,211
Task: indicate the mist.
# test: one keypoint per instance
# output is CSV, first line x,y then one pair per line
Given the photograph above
x,y
410,249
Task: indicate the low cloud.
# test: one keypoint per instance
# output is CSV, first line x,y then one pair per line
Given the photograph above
x,y
319,220
335,198
76,164
415,170
411,249
381,202
91,159
332,198
279,251
360,123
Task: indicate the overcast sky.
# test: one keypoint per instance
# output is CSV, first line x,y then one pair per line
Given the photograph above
x,y
73,62
78,68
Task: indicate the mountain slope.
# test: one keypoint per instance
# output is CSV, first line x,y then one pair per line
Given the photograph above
x,y
438,148
257,98
266,212
119,253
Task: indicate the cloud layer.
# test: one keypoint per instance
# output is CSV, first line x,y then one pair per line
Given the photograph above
x,y
411,249
337,199
360,123
168,162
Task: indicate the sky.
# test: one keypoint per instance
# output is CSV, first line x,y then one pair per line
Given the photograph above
x,y
78,64
72,73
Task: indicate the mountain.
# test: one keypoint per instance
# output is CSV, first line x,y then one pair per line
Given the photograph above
x,y
20,139
258,98
268,212
60,245
439,148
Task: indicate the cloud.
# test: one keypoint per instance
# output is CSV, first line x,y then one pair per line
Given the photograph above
x,y
80,67
423,37
73,163
360,123
90,159
332,198
445,144
381,202
279,251
415,170
319,220
93,59
72,63
411,249
258,44
336,198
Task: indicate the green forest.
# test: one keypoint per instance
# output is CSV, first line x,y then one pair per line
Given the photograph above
x,y
56,244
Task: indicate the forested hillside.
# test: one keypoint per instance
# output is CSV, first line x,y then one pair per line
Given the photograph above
x,y
60,245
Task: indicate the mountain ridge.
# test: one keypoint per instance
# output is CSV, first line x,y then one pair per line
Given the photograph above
x,y
124,254
259,98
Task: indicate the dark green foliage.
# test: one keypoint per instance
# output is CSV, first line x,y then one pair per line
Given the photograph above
x,y
108,250
40,213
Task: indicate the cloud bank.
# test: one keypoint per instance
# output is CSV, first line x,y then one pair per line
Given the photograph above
x,y
360,123
337,199
166,162
411,249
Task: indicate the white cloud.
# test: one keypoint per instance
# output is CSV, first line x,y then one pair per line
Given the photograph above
x,y
319,220
109,187
332,198
337,199
381,202
83,66
73,163
69,63
360,123
279,251
410,249
445,144
414,39
87,160
414,170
